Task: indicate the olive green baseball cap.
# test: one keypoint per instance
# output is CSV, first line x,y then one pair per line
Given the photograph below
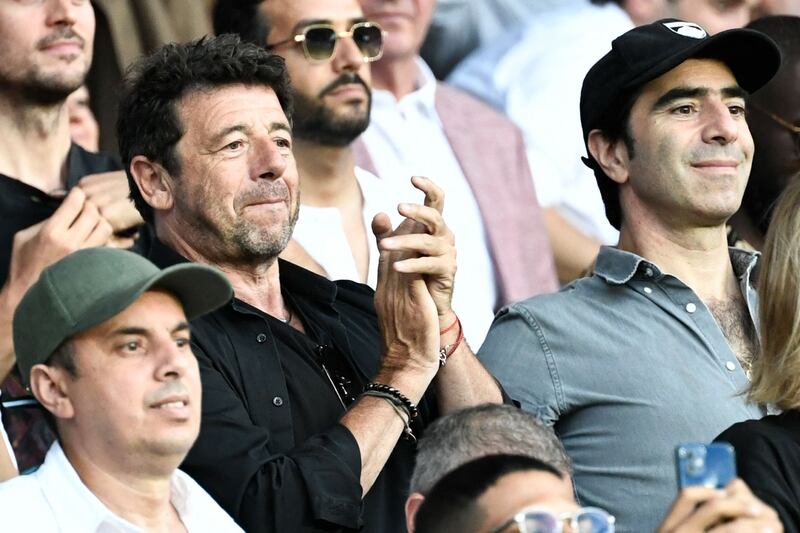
x,y
91,286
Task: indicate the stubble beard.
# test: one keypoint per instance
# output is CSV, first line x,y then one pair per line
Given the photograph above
x,y
258,243
242,241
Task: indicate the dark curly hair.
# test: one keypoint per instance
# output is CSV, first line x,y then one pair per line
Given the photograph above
x,y
148,122
243,18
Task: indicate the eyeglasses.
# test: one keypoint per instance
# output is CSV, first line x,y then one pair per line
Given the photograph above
x,y
794,129
584,520
319,41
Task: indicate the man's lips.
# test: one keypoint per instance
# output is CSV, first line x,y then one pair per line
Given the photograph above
x,y
349,89
63,47
716,164
171,402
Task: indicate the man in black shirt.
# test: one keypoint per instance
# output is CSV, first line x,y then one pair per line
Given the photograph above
x,y
308,384
54,196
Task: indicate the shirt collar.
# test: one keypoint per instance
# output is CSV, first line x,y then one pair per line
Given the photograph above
x,y
423,98
296,279
74,506
617,267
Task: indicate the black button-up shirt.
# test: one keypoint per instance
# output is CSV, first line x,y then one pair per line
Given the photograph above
x,y
22,205
271,449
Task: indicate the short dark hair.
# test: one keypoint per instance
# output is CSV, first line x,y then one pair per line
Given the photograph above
x,y
615,125
64,357
148,122
243,18
451,506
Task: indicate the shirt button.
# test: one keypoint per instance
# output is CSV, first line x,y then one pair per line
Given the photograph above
x,y
261,337
691,308
648,272
277,401
730,365
648,290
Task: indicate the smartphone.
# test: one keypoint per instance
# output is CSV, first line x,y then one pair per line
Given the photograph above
x,y
707,465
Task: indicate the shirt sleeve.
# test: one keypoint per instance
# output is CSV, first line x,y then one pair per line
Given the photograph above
x,y
315,485
516,353
767,467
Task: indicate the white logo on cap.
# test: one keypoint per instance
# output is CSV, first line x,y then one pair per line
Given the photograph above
x,y
687,29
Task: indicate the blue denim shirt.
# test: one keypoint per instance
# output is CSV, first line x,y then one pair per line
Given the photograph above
x,y
625,364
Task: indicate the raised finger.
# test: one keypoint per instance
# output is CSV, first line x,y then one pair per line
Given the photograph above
x,y
434,195
429,217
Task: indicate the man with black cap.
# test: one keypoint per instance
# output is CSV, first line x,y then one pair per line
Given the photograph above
x,y
654,348
102,340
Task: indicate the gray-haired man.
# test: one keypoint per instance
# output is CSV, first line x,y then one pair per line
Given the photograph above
x,y
473,432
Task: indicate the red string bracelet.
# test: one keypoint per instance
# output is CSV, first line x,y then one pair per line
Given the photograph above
x,y
451,326
449,349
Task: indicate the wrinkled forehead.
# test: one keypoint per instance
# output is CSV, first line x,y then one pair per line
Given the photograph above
x,y
206,110
287,16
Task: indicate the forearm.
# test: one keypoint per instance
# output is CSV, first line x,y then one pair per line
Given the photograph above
x,y
377,426
8,302
574,252
464,382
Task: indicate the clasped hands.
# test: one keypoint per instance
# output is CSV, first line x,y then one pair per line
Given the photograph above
x,y
416,271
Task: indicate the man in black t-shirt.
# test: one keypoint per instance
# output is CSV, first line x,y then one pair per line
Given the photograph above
x,y
54,196
308,384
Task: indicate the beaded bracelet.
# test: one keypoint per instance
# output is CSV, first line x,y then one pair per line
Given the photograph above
x,y
398,398
449,349
400,410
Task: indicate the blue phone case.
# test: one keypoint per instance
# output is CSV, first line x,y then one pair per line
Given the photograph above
x,y
708,465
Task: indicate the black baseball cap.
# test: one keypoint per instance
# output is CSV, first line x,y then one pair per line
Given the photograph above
x,y
91,286
646,52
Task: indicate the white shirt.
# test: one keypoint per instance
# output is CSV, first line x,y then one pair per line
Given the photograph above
x,y
320,231
6,442
54,499
535,75
405,138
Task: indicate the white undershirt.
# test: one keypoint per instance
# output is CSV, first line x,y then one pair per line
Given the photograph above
x,y
405,138
320,231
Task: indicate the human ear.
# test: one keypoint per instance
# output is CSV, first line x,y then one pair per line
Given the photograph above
x,y
611,155
413,503
48,384
154,182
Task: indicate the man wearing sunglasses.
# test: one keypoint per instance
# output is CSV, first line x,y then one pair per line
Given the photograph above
x,y
520,494
328,47
422,127
774,119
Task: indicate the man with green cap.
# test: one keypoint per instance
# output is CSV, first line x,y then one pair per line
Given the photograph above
x,y
102,340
